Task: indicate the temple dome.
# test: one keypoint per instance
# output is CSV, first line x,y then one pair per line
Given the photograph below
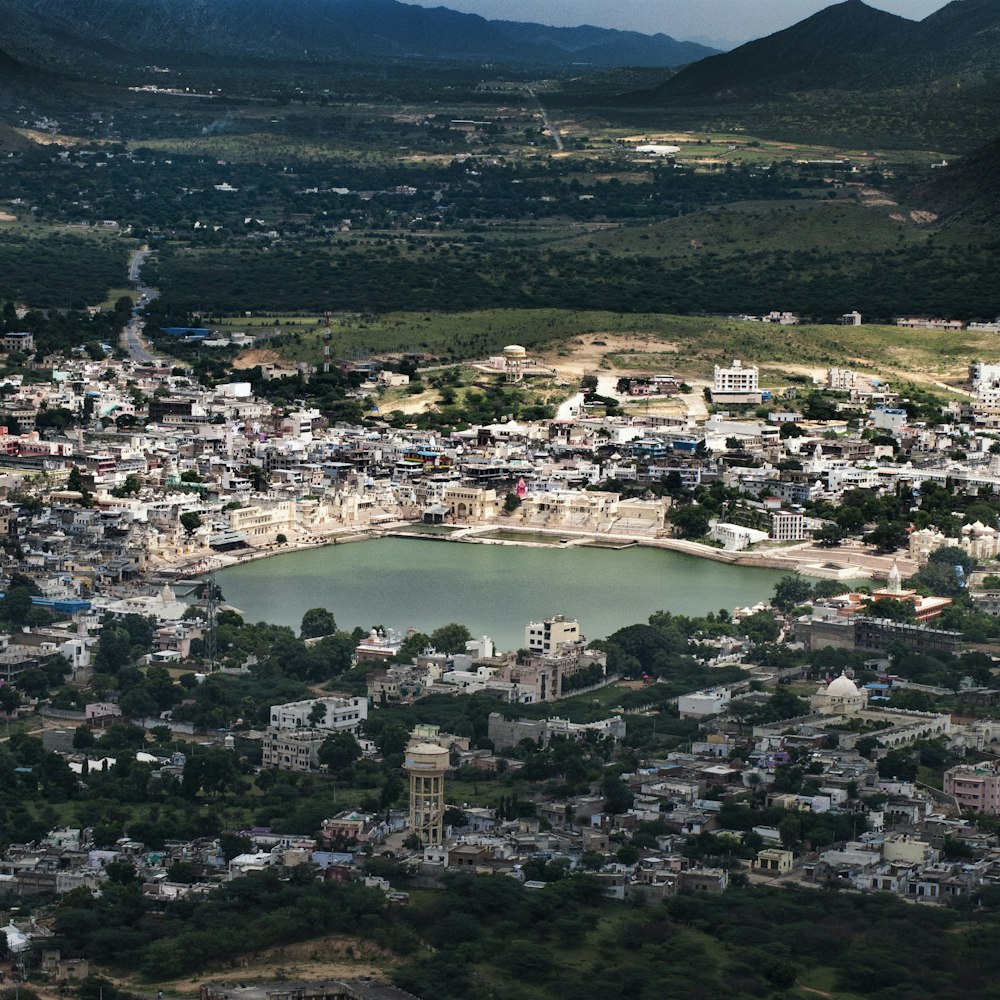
x,y
842,687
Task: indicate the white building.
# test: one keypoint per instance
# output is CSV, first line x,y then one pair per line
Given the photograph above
x,y
735,537
699,703
340,714
889,418
787,526
736,384
985,381
841,379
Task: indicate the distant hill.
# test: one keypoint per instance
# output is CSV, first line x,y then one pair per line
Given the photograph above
x,y
967,190
821,51
849,46
68,31
606,47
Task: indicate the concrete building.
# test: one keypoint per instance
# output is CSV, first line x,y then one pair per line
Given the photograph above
x,y
292,750
545,637
340,714
774,861
975,786
787,526
19,342
841,379
509,732
702,703
736,384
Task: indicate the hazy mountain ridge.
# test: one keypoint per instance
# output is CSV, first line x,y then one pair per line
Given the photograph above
x,y
64,30
849,46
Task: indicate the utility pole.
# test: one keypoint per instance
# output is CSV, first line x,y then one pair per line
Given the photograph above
x,y
210,608
327,336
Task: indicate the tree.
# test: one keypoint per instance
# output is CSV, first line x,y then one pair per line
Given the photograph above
x,y
130,487
691,521
789,591
511,502
339,751
887,536
10,700
190,522
114,650
450,638
789,829
760,627
317,622
74,481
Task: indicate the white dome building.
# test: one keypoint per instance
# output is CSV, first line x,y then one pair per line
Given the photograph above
x,y
840,697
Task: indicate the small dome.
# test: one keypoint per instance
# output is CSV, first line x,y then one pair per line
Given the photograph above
x,y
841,687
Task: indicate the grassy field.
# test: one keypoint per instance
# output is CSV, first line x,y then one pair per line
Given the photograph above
x,y
704,341
831,226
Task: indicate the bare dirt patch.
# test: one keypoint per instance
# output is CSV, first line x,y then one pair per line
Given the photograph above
x,y
585,354
7,217
331,957
256,356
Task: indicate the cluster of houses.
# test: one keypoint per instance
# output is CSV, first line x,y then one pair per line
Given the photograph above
x,y
159,472
908,846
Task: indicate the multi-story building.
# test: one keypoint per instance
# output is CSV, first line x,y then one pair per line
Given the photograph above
x,y
292,750
787,526
736,384
841,379
545,637
19,342
975,786
339,714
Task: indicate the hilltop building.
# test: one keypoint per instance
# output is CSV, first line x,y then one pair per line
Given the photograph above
x,y
736,384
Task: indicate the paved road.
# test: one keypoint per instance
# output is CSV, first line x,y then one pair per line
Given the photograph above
x,y
548,126
131,336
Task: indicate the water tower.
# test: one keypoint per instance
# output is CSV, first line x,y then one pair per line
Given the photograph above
x,y
426,764
514,357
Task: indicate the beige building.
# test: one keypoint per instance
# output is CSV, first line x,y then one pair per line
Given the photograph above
x,y
263,522
736,384
774,861
470,503
292,749
547,636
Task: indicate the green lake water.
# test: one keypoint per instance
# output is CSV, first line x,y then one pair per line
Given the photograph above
x,y
492,589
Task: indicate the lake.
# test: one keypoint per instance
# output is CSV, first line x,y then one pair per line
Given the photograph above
x,y
493,589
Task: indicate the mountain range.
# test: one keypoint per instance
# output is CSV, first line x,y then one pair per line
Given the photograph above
x,y
851,46
71,32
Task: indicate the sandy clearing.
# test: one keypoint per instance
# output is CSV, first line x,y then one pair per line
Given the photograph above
x,y
256,356
7,217
331,957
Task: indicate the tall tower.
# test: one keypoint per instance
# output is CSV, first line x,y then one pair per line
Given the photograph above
x,y
327,335
514,357
426,764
